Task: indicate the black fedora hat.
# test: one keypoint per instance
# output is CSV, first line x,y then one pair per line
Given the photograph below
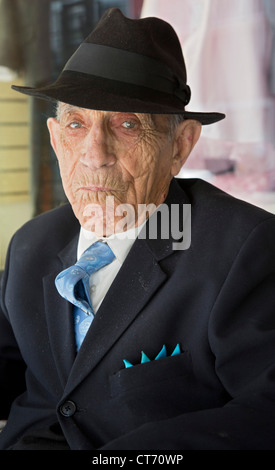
x,y
126,65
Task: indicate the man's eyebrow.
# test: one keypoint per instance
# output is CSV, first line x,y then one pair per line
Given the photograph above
x,y
66,108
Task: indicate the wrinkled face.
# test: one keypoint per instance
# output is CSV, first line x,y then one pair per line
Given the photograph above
x,y
108,159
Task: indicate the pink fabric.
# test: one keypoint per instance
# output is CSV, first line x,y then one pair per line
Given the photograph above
x,y
227,49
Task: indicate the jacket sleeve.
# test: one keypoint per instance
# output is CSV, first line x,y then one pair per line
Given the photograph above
x,y
241,334
12,366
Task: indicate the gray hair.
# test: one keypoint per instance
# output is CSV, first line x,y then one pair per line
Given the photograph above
x,y
174,121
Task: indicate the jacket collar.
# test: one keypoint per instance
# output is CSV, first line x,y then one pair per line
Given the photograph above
x,y
169,222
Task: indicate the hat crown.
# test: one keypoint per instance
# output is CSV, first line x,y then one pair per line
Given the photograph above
x,y
126,65
151,37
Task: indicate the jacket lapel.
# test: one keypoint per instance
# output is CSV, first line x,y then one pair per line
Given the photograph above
x,y
59,314
137,281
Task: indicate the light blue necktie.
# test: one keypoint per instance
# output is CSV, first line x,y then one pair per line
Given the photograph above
x,y
73,285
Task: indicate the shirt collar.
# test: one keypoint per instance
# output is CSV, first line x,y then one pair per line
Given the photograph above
x,y
120,243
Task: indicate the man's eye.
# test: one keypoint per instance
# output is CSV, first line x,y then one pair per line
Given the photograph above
x,y
129,124
75,125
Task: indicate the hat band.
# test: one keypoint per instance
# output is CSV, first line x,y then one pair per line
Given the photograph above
x,y
127,67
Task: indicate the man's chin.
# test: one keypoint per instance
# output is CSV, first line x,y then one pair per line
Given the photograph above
x,y
106,219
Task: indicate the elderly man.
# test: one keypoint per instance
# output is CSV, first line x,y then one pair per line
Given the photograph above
x,y
112,337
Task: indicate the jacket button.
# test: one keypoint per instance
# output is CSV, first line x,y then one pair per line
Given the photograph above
x,y
68,409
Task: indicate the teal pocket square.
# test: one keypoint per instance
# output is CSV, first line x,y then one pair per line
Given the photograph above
x,y
162,353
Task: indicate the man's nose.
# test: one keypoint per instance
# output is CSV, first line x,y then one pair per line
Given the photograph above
x,y
97,149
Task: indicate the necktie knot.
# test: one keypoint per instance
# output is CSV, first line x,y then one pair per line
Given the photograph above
x,y
94,258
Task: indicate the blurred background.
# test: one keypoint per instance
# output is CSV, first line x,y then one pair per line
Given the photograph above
x,y
229,49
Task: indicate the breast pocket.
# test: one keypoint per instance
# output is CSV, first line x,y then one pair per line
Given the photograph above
x,y
156,390
152,377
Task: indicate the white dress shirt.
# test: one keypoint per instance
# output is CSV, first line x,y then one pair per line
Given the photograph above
x,y
120,244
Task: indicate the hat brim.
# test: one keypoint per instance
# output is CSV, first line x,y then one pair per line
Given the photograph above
x,y
92,92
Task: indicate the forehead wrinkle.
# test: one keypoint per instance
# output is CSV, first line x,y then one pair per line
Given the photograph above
x,y
66,108
69,108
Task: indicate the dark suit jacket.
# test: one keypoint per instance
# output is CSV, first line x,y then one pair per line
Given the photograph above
x,y
216,299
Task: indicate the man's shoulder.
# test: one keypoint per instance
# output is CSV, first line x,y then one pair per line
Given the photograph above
x,y
217,216
215,203
222,224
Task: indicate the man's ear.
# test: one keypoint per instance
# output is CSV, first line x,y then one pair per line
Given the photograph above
x,y
54,130
186,136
